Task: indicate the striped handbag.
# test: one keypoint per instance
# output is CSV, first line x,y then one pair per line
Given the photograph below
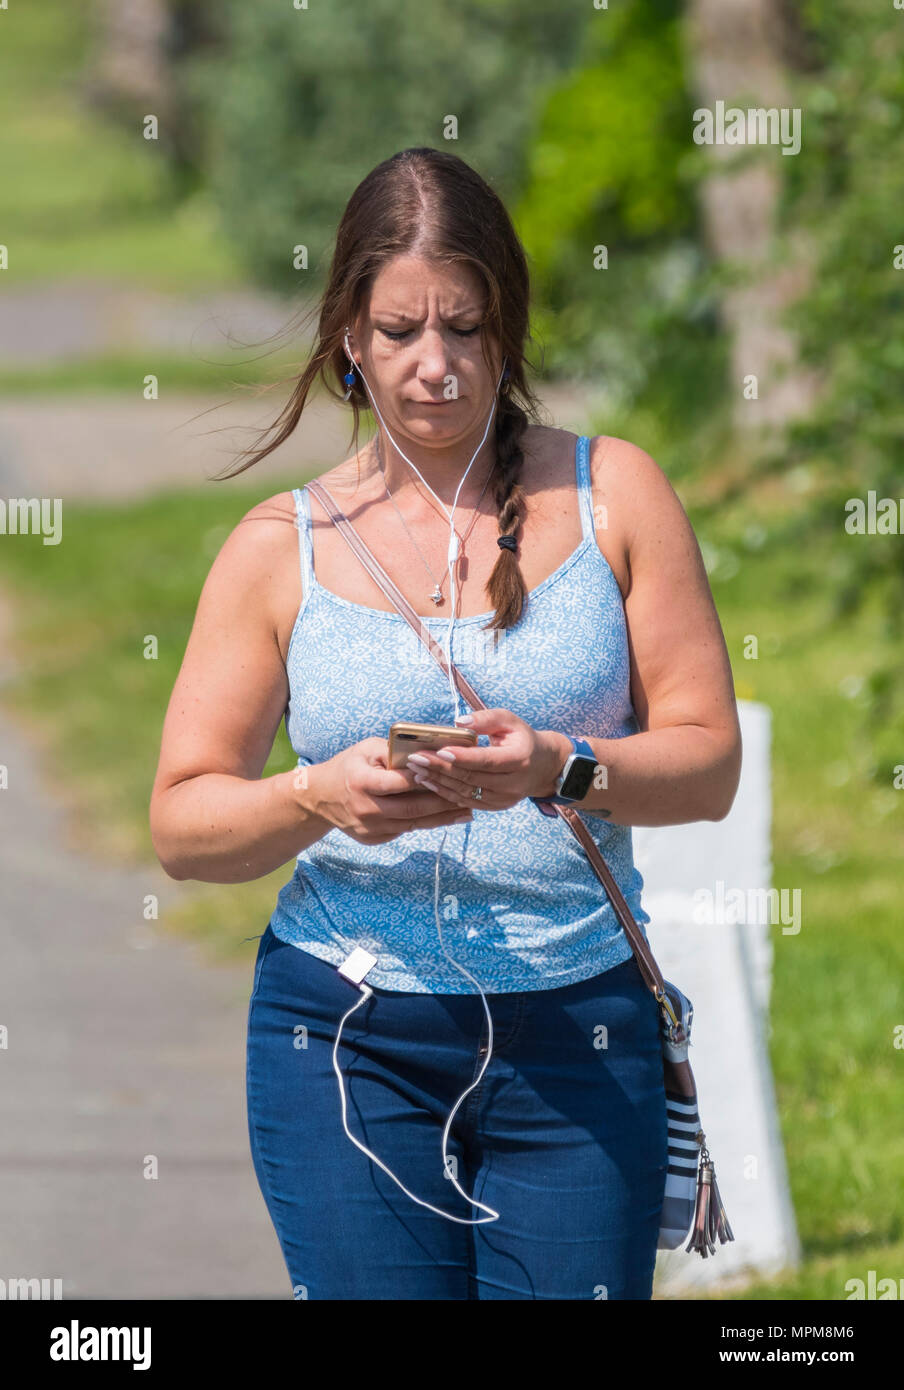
x,y
691,1203
691,1193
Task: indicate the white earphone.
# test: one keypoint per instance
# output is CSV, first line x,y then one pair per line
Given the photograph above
x,y
452,554
366,993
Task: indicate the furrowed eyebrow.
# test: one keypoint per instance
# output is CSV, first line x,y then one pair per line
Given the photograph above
x,y
406,318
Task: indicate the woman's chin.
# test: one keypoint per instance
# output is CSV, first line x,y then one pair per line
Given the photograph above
x,y
439,423
445,410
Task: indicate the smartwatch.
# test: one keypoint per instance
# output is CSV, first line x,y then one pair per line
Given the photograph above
x,y
574,781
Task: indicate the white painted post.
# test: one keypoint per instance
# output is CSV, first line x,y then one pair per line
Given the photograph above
x,y
724,966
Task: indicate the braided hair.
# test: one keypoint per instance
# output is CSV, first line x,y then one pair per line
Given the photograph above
x,y
505,586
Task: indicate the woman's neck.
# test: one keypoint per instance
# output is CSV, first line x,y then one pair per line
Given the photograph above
x,y
441,469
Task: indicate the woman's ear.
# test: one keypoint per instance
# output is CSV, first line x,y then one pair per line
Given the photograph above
x,y
351,329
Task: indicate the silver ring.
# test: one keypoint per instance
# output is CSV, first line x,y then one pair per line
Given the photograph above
x,y
477,793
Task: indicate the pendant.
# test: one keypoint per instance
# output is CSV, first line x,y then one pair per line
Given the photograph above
x,y
436,595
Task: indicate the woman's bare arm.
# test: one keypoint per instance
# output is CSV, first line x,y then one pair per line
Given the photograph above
x,y
685,763
213,817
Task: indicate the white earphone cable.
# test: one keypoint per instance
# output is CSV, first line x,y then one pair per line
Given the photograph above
x,y
367,993
452,553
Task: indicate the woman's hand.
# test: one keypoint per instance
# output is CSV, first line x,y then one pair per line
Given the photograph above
x,y
357,792
520,761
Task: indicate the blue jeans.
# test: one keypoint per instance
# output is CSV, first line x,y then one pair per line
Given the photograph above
x,y
565,1136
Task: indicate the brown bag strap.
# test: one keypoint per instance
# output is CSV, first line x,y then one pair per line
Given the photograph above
x,y
644,956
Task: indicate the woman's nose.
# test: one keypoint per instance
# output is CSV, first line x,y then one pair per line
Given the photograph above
x,y
434,364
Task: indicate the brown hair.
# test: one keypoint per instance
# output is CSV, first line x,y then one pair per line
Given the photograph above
x,y
432,204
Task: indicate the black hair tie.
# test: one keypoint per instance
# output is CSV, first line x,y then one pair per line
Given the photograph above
x,y
508,542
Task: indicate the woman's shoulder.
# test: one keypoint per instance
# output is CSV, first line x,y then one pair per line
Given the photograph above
x,y
270,522
279,509
636,489
630,497
266,532
254,576
626,471
609,451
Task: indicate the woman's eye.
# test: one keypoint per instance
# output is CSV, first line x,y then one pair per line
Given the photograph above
x,y
399,336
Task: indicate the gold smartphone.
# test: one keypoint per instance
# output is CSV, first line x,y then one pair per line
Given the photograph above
x,y
406,737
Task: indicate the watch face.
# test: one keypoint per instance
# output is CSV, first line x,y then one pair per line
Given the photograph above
x,y
579,780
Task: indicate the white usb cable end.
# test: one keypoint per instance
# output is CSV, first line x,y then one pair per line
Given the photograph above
x,y
358,965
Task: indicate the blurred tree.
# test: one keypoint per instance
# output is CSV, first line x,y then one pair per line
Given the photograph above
x,y
130,65
302,103
807,269
611,216
737,53
142,67
848,195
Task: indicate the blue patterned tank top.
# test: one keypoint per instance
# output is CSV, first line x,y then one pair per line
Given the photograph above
x,y
520,907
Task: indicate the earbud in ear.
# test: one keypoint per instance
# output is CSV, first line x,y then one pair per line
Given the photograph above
x,y
349,377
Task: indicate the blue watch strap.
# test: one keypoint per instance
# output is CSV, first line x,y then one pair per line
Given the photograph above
x,y
583,747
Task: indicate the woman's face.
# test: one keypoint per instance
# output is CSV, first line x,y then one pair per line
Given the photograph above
x,y
419,342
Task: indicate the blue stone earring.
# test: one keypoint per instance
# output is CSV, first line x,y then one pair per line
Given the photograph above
x,y
349,380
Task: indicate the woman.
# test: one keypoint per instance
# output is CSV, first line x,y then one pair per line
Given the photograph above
x,y
601,628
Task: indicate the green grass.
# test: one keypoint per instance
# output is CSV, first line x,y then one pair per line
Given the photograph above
x,y
208,371
837,984
85,608
823,1277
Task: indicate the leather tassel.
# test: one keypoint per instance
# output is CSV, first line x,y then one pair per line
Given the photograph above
x,y
721,1228
700,1238
710,1216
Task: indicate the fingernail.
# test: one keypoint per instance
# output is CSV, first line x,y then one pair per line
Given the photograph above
x,y
446,753
419,759
464,719
424,783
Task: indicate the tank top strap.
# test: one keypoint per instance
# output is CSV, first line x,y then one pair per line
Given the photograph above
x,y
585,494
305,547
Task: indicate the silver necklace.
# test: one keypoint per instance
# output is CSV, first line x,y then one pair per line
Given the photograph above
x,y
437,594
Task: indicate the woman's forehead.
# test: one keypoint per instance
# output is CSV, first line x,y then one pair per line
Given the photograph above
x,y
411,286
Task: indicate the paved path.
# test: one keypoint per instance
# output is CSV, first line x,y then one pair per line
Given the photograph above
x,y
118,447
110,446
84,316
113,448
122,1042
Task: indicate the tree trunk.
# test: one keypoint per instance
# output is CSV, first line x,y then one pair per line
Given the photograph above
x,y
131,66
138,70
736,54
